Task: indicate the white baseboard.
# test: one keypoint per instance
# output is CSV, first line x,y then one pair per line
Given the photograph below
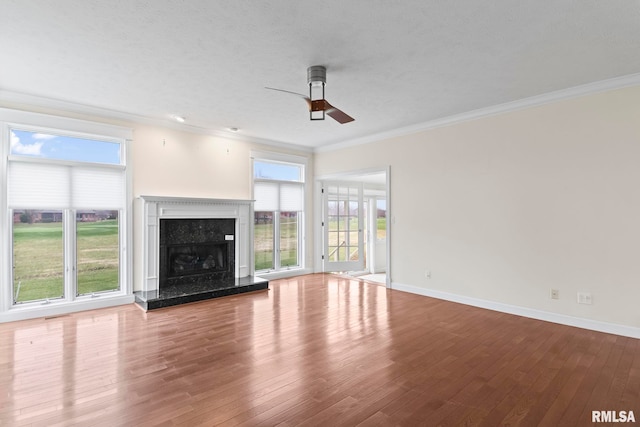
x,y
58,309
594,325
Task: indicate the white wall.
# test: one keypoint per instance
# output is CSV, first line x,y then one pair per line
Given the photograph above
x,y
167,162
504,208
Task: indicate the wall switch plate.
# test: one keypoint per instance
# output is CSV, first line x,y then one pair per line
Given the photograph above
x,y
584,298
554,294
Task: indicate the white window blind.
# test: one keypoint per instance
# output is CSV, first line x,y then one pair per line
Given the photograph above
x,y
54,186
37,185
291,198
97,188
266,195
278,196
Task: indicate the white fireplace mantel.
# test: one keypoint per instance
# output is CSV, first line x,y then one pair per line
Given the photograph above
x,y
149,210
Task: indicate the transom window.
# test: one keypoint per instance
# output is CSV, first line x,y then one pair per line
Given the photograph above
x,y
61,147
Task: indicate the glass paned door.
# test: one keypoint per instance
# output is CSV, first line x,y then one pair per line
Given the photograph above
x,y
343,227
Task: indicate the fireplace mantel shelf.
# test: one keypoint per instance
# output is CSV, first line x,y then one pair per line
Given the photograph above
x,y
194,200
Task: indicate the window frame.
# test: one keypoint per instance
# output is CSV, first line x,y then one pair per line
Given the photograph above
x,y
55,125
285,159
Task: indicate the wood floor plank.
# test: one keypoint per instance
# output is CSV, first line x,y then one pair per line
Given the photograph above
x,y
313,350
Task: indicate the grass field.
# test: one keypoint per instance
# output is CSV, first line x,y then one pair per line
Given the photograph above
x,y
263,244
38,259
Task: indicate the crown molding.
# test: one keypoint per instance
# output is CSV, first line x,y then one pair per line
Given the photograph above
x,y
534,101
105,113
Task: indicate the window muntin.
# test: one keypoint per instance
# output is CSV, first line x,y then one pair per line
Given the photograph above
x,y
60,147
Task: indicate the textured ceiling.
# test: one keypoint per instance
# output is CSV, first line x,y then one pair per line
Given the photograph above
x,y
389,64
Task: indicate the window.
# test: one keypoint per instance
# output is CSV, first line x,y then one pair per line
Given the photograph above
x,y
65,202
278,187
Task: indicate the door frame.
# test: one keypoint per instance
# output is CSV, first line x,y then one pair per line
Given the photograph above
x,y
318,264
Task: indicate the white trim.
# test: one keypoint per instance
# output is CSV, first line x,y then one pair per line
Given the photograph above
x,y
339,176
62,308
563,319
63,162
279,157
26,120
533,101
167,122
6,240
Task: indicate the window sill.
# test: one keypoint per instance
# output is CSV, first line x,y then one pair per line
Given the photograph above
x,y
58,308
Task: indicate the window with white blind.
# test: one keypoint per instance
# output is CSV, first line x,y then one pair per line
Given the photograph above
x,y
66,196
278,191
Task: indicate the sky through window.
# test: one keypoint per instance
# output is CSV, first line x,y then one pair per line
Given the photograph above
x,y
48,146
277,171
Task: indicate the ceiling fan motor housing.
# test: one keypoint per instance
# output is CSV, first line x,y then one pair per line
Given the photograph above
x,y
316,75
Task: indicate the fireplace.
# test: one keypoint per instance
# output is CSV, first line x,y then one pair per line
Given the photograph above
x,y
188,260
192,249
196,251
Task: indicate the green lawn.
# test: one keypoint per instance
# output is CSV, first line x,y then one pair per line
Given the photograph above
x,y
38,258
263,244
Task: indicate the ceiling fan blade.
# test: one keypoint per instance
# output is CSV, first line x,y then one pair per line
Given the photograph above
x,y
338,115
320,105
305,97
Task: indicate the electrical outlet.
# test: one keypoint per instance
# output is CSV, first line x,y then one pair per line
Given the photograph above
x,y
554,294
584,298
427,274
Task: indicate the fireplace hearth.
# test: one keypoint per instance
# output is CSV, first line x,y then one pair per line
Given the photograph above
x,y
194,249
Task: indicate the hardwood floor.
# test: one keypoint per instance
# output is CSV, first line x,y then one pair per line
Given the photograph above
x,y
313,350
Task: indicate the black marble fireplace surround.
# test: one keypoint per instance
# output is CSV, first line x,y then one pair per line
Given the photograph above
x,y
197,262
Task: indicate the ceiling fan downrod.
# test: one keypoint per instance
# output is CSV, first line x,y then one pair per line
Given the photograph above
x,y
317,78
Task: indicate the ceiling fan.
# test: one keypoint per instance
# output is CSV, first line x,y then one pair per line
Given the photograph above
x,y
318,106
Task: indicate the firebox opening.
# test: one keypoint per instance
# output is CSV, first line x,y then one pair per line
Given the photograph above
x,y
197,259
